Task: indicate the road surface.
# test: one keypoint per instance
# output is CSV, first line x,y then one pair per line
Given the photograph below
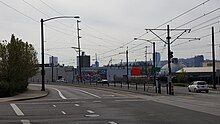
x,y
80,105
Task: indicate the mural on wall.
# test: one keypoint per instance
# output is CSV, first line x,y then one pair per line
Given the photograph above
x,y
93,75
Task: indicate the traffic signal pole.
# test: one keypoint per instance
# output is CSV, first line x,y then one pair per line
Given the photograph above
x,y
213,59
154,66
169,54
168,42
127,66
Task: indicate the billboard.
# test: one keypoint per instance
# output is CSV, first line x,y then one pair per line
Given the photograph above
x,y
135,71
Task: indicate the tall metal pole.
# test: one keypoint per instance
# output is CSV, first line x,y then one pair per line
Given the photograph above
x,y
42,52
154,62
154,66
78,38
169,52
42,45
168,44
127,66
146,60
213,59
146,54
52,69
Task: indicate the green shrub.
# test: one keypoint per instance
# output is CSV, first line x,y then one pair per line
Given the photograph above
x,y
5,89
18,63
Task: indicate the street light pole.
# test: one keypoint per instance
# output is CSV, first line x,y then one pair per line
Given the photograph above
x,y
42,45
42,52
154,66
127,66
154,60
52,68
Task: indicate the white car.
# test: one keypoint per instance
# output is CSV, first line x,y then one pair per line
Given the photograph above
x,y
198,86
103,81
62,80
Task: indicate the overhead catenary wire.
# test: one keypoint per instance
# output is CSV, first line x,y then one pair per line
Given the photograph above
x,y
51,7
132,48
188,22
82,23
198,18
29,17
35,8
195,40
161,25
164,24
180,15
183,14
122,45
111,37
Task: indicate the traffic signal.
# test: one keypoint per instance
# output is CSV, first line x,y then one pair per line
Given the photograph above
x,y
171,54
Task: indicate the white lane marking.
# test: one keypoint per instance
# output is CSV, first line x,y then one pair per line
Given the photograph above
x,y
25,122
97,101
92,115
89,93
16,109
129,100
61,95
105,95
63,112
43,103
77,105
54,106
90,111
112,122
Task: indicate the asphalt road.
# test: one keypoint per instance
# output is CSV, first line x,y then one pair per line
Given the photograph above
x,y
78,105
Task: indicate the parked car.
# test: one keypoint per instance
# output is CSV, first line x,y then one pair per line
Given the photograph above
x,y
62,80
198,86
103,81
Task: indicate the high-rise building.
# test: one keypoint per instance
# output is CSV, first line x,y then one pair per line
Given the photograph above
x,y
198,61
53,60
157,57
85,60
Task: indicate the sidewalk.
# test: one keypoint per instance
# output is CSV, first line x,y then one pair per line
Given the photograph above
x,y
33,92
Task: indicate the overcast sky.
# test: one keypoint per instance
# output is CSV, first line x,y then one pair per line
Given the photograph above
x,y
109,26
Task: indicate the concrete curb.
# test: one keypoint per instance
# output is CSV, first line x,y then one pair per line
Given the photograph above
x,y
112,89
31,93
33,97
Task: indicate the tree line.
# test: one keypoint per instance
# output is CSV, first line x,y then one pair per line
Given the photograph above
x,y
18,62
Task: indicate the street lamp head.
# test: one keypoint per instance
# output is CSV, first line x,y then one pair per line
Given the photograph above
x,y
76,17
146,30
135,38
75,47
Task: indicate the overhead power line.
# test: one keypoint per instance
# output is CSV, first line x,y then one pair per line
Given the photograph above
x,y
86,25
183,13
198,18
29,17
19,12
51,7
194,40
191,22
112,38
35,8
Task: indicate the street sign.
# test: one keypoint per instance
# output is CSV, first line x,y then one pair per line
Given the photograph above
x,y
156,69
